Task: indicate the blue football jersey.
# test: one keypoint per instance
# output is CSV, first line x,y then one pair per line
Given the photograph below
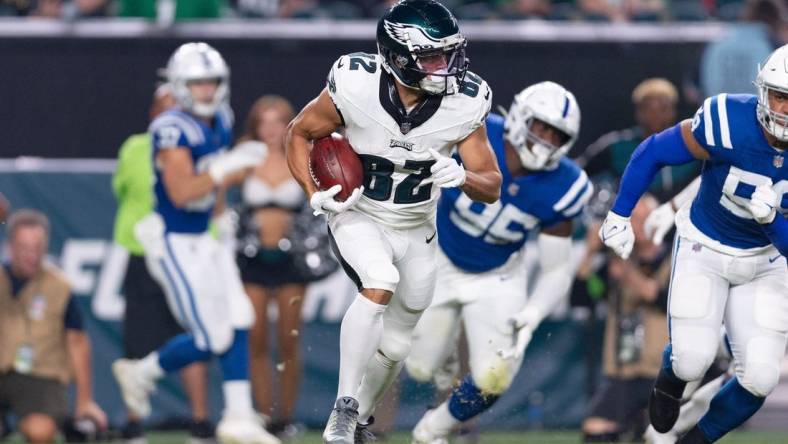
x,y
176,128
478,237
741,159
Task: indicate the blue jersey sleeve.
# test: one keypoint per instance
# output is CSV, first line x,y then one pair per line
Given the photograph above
x,y
172,130
724,121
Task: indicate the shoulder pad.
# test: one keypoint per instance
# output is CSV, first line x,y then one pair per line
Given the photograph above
x,y
576,189
172,128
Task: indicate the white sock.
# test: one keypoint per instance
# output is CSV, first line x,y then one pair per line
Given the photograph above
x,y
359,337
441,420
381,372
149,368
237,396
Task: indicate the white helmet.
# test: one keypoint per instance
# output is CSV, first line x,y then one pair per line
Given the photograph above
x,y
773,75
552,104
198,61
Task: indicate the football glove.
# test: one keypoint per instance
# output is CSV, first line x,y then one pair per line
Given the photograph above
x,y
523,325
245,155
616,233
763,204
323,201
446,172
659,222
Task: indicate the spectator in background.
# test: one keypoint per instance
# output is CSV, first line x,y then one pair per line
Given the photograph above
x,y
148,322
729,64
82,9
635,331
168,10
655,110
275,225
43,345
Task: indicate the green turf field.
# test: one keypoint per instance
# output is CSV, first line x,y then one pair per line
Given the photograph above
x,y
749,437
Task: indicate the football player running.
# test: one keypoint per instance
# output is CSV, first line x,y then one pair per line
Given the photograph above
x,y
403,110
481,278
199,277
729,255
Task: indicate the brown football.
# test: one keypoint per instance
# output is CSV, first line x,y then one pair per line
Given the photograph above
x,y
332,161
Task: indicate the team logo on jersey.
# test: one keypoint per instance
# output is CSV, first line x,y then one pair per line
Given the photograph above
x,y
778,161
401,144
513,189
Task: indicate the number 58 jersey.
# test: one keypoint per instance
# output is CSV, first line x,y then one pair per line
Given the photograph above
x,y
740,160
393,144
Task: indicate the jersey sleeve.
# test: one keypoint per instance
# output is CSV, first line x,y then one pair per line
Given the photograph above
x,y
575,193
482,102
711,127
335,83
172,130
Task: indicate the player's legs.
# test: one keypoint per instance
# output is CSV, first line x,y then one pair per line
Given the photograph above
x,y
698,293
290,299
366,256
490,302
415,262
756,319
260,361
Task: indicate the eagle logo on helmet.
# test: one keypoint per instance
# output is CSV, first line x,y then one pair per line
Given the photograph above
x,y
401,32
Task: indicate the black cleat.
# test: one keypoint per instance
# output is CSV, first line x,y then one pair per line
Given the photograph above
x,y
694,436
363,434
663,410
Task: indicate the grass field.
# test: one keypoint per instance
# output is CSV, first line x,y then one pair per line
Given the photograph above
x,y
748,437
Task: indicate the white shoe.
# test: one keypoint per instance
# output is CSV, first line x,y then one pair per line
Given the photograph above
x,y
243,428
424,434
653,437
341,425
134,388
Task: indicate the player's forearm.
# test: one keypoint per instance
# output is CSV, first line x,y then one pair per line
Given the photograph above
x,y
297,146
79,353
665,148
778,233
555,274
482,186
187,188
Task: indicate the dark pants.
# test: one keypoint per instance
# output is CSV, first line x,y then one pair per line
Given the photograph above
x,y
148,321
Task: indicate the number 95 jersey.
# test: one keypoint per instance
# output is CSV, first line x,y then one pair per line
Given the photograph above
x,y
479,237
740,160
393,144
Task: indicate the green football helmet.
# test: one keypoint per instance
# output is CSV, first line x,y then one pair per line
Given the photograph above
x,y
422,47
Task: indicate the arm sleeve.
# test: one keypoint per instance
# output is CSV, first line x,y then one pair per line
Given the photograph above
x,y
555,275
778,233
659,150
72,318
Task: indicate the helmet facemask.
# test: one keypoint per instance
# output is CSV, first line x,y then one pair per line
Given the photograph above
x,y
414,64
774,122
535,152
196,62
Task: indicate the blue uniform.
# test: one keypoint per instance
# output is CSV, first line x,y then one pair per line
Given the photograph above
x,y
478,237
175,128
741,158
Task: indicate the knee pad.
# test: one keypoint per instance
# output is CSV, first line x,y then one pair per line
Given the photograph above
x,y
690,365
419,370
495,377
395,345
759,378
381,274
221,338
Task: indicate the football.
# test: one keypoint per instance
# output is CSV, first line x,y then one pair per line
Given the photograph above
x,y
332,161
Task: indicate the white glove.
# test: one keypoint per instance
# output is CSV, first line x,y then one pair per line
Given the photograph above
x,y
323,201
523,325
659,222
246,155
616,233
763,204
446,172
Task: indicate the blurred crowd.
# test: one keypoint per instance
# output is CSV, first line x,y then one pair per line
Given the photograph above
x,y
559,10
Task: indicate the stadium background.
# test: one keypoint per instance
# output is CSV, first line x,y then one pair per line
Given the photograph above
x,y
70,93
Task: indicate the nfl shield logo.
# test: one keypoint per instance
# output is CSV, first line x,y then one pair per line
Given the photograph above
x,y
778,161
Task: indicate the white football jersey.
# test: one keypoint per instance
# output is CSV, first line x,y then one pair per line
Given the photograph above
x,y
393,145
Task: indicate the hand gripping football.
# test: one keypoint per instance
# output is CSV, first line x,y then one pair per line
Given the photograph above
x,y
333,161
